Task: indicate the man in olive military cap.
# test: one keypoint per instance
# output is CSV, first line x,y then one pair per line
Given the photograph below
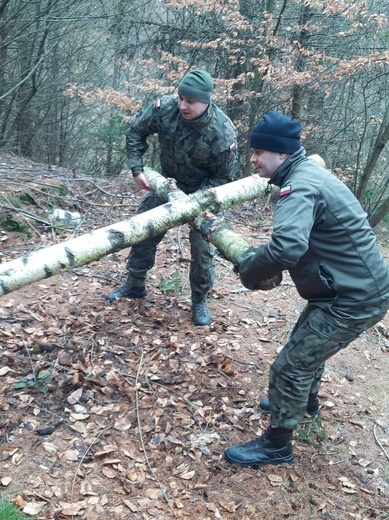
x,y
198,148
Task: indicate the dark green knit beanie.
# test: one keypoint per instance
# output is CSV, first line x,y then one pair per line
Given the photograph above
x,y
196,85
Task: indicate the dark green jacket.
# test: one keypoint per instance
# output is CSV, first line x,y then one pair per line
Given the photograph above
x,y
322,237
201,153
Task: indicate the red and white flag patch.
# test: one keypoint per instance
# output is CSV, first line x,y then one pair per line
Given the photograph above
x,y
232,147
286,190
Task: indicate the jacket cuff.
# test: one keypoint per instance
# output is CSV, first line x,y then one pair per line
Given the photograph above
x,y
136,170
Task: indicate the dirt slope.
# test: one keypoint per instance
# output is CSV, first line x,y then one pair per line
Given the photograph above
x,y
123,411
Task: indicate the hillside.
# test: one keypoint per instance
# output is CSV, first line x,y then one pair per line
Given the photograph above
x,y
123,410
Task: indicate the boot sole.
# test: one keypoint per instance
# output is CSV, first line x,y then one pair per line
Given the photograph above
x,y
256,465
131,297
202,324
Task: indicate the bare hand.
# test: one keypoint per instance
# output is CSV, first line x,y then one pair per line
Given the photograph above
x,y
142,182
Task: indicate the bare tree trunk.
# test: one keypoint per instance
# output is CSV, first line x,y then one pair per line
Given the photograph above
x,y
297,98
380,213
379,145
101,242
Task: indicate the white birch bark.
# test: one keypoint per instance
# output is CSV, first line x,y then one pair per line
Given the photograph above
x,y
231,245
92,246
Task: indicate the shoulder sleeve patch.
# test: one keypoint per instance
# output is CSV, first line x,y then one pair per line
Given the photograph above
x,y
157,103
232,148
286,190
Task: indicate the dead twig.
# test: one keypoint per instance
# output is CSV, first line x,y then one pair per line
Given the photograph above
x,y
379,442
242,305
81,462
324,454
27,214
30,358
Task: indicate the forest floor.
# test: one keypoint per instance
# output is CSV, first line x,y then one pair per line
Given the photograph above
x,y
124,410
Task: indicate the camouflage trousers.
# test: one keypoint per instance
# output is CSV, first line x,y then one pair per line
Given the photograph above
x,y
321,331
142,256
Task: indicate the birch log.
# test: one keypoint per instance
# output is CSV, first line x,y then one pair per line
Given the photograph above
x,y
92,246
231,245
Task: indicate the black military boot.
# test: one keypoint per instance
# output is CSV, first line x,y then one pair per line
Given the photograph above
x,y
127,291
272,447
312,407
200,312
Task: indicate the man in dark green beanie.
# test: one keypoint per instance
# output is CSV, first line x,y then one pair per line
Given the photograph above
x,y
198,148
197,85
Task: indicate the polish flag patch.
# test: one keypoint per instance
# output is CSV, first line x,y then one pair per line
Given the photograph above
x,y
232,147
286,190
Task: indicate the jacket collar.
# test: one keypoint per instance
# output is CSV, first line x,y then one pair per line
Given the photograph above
x,y
199,122
279,176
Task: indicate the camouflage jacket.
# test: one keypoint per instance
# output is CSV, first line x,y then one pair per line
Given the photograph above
x,y
198,154
322,237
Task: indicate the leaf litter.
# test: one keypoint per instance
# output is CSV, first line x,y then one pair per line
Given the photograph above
x,y
124,410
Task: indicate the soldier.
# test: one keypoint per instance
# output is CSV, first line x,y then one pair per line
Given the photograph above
x,y
322,237
198,148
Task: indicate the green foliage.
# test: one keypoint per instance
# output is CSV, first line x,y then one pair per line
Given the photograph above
x,y
171,284
9,511
108,142
311,431
41,382
55,194
12,224
61,190
26,198
14,201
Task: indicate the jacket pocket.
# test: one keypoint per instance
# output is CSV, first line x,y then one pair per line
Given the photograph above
x,y
201,154
313,282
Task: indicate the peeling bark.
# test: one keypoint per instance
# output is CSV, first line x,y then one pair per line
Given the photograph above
x,y
231,245
92,246
222,236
